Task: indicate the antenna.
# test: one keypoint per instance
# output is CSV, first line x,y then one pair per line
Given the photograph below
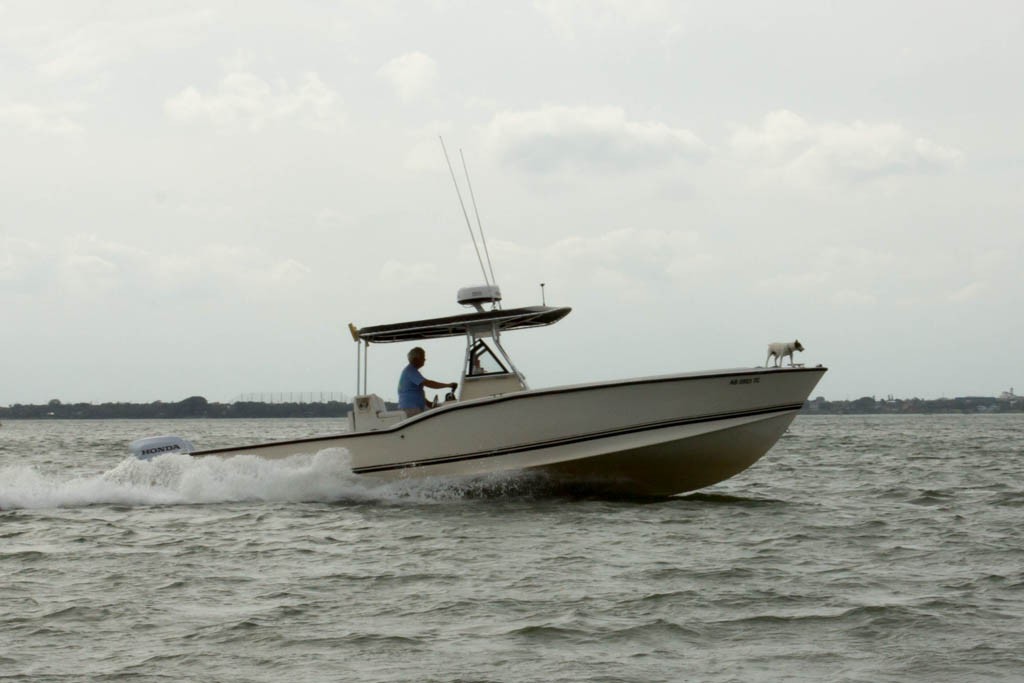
x,y
479,225
469,225
543,302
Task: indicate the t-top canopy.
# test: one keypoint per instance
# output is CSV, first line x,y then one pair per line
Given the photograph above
x,y
457,325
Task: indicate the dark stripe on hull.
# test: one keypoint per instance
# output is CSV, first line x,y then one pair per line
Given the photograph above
x,y
635,429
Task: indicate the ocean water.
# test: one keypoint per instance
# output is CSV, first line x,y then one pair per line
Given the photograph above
x,y
875,548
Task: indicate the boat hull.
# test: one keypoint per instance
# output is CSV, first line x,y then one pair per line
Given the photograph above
x,y
685,463
650,437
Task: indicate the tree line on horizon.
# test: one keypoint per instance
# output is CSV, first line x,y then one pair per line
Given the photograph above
x,y
869,405
191,407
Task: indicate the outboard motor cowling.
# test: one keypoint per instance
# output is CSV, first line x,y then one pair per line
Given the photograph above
x,y
152,446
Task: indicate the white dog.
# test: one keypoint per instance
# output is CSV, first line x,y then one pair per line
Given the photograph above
x,y
782,349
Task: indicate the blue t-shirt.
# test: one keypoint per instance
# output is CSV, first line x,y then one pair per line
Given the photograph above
x,y
410,389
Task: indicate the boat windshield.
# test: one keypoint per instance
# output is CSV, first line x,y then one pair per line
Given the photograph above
x,y
481,360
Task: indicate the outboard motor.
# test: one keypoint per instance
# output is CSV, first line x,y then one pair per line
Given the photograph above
x,y
150,447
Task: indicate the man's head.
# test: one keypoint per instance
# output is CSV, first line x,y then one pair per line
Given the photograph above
x,y
417,357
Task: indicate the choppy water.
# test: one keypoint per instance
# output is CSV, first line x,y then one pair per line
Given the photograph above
x,y
860,549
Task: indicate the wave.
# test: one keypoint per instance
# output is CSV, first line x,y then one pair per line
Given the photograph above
x,y
179,479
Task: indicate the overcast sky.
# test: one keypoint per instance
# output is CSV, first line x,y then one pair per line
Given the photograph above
x,y
197,197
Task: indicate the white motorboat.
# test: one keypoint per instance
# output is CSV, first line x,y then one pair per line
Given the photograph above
x,y
650,436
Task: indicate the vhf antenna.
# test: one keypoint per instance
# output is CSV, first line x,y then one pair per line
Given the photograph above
x,y
479,225
469,225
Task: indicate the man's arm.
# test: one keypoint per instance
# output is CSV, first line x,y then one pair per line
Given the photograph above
x,y
439,385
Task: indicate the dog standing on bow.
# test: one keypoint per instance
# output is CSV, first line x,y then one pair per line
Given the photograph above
x,y
782,349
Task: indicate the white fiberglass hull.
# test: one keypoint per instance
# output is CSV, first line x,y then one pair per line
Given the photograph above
x,y
649,437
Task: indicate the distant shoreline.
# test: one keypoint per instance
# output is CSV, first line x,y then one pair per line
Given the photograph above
x,y
192,407
961,405
198,407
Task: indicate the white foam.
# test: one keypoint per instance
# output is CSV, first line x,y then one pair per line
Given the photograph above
x,y
25,487
179,479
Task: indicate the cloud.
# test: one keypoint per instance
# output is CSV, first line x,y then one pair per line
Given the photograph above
x,y
231,268
412,75
33,118
289,271
18,264
853,298
626,264
558,137
803,154
851,262
844,275
404,275
63,45
969,292
569,17
851,276
88,268
245,100
641,251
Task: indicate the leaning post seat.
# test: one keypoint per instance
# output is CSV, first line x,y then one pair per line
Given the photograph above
x,y
369,413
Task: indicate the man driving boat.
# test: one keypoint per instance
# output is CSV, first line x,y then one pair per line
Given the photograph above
x,y
411,397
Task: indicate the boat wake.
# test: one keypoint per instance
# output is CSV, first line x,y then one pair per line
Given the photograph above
x,y
179,479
